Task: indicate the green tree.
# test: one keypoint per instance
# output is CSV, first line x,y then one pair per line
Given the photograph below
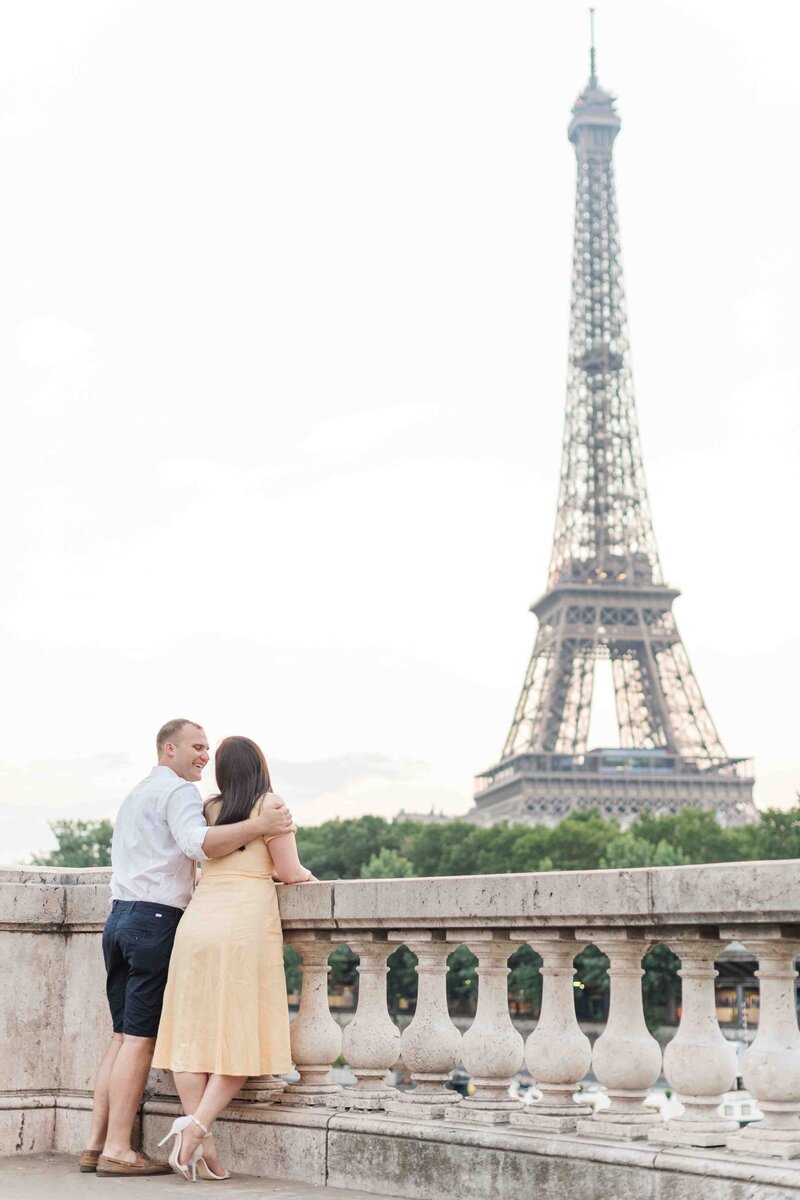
x,y
694,834
629,850
492,849
462,980
80,844
339,849
777,834
525,980
441,849
592,968
580,841
291,967
387,865
530,849
343,968
661,987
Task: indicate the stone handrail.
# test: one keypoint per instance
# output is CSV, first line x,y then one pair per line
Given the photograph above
x,y
696,911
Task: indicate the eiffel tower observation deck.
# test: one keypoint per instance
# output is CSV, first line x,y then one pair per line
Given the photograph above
x,y
606,597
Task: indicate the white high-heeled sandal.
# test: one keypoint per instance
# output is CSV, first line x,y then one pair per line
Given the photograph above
x,y
204,1171
178,1126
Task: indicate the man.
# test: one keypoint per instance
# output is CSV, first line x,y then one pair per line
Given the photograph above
x,y
159,833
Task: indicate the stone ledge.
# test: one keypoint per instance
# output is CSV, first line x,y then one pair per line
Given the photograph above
x,y
425,1161
15,1103
420,1160
449,1139
249,1113
712,1163
26,1130
647,897
86,906
25,905
650,898
426,1170
256,1140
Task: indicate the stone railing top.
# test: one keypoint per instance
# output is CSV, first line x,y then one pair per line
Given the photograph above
x,y
714,894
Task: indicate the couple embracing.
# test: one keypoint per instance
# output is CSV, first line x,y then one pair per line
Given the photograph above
x,y
194,976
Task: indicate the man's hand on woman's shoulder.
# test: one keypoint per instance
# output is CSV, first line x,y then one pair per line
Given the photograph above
x,y
275,818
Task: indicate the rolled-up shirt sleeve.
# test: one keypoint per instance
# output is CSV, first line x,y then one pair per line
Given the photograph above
x,y
184,812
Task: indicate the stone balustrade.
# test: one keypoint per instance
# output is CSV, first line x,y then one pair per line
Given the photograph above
x,y
427,1141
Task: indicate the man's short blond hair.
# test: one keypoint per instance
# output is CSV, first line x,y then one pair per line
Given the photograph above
x,y
171,730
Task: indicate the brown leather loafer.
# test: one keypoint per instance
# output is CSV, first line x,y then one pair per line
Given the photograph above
x,y
88,1160
142,1166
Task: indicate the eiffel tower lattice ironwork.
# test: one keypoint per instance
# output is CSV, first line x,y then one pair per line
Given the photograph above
x,y
606,596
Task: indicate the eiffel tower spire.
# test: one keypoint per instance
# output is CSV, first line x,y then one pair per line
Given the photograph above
x,y
592,53
606,596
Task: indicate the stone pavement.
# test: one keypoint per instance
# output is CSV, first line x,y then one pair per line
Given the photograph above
x,y
56,1177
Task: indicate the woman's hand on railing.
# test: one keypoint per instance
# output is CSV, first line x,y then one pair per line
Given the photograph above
x,y
287,864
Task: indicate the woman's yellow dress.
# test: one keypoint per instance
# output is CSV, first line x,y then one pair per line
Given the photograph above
x,y
225,1008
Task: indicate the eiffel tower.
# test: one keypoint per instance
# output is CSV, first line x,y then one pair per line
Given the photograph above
x,y
606,597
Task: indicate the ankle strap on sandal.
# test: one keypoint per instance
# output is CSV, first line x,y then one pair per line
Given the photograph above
x,y
199,1124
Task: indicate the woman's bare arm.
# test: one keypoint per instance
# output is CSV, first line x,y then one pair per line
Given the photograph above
x,y
288,868
273,819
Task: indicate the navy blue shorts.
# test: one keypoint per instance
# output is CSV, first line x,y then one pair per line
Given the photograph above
x,y
137,944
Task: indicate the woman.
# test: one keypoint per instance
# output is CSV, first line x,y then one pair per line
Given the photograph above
x,y
225,1014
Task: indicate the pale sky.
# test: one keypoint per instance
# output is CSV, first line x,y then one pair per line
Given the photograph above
x,y
284,306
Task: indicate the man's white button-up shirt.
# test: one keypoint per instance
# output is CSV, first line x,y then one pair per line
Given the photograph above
x,y
158,835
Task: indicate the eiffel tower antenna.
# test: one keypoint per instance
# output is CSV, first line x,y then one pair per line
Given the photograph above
x,y
592,55
606,597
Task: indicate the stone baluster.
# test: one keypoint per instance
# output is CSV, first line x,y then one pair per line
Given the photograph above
x,y
492,1050
771,1065
430,1044
700,1065
558,1054
261,1089
316,1036
371,1041
626,1057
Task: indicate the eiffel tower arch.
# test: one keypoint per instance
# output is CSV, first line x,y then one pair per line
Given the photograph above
x,y
606,597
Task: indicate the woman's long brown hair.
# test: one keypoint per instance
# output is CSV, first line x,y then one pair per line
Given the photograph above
x,y
242,776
